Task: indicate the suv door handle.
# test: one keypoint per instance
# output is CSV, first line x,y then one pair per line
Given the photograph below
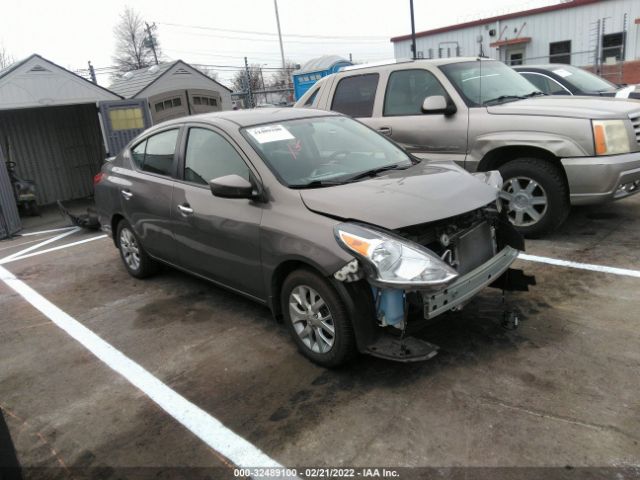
x,y
385,130
126,194
185,210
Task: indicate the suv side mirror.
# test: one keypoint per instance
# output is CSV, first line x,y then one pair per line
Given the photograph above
x,y
438,104
232,186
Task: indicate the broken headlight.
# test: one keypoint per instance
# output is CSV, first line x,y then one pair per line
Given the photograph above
x,y
392,261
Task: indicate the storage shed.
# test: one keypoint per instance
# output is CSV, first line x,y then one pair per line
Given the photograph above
x,y
49,127
173,89
314,70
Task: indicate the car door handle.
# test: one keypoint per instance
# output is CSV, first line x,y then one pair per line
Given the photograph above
x,y
385,130
185,210
126,194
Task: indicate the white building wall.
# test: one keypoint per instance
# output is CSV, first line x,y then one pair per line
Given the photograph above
x,y
577,24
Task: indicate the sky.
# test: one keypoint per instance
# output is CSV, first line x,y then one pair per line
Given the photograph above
x,y
215,32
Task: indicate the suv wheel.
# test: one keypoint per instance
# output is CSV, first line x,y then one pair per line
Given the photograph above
x,y
535,196
137,262
317,319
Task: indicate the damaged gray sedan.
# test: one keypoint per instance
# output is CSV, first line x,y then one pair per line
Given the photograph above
x,y
348,239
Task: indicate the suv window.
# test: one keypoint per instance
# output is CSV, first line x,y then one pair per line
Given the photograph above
x,y
312,98
158,156
354,95
407,89
210,156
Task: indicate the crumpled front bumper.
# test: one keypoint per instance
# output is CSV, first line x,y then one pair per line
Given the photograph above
x,y
467,286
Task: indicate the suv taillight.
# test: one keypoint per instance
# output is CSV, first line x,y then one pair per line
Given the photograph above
x,y
98,178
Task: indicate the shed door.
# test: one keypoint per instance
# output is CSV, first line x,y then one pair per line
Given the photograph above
x,y
122,121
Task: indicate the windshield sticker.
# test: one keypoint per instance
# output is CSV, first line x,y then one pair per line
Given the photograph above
x,y
270,133
562,72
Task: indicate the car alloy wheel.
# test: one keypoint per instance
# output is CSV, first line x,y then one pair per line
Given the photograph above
x,y
525,199
311,319
129,248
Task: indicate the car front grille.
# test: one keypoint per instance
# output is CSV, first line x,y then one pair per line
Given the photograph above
x,y
635,120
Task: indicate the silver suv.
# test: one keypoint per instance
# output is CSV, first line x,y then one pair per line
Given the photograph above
x,y
552,152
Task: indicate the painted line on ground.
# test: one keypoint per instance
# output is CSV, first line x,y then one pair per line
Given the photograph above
x,y
38,245
52,249
582,266
20,244
42,232
210,430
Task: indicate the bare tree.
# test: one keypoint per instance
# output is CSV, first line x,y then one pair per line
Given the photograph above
x,y
5,58
239,79
209,72
282,77
134,47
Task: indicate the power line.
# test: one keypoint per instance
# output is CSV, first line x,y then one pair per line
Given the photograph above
x,y
253,32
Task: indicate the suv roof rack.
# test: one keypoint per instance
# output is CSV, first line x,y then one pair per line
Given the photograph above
x,y
375,64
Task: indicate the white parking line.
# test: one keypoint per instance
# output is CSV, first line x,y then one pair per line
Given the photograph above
x,y
38,245
42,232
204,426
582,266
52,249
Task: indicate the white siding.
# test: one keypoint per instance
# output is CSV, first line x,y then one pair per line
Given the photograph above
x,y
183,77
38,82
577,24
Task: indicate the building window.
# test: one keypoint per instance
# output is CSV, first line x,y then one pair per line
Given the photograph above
x,y
126,118
613,45
197,100
560,52
516,58
159,107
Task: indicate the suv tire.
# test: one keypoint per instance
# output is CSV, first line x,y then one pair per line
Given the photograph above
x,y
317,318
535,195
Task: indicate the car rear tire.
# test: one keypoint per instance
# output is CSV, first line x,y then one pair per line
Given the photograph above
x,y
317,319
136,260
535,196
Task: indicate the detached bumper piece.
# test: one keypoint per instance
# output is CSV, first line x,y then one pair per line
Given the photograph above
x,y
409,349
468,285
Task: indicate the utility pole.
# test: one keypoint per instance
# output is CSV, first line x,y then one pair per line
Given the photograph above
x,y
413,32
151,41
92,73
248,80
350,58
275,4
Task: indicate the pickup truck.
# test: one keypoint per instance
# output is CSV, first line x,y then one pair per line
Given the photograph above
x,y
552,152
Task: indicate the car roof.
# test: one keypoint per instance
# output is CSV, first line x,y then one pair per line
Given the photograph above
x,y
244,118
551,66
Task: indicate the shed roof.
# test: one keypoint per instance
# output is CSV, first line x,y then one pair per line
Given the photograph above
x,y
133,83
37,82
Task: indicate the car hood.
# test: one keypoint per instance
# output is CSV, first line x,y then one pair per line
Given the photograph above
x,y
569,107
400,198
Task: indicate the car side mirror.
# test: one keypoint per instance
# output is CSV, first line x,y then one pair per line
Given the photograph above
x,y
232,186
438,104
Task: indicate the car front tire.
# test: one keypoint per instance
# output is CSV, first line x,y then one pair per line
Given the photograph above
x,y
317,318
535,196
136,260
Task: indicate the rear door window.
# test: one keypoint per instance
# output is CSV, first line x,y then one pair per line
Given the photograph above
x,y
354,95
407,89
160,151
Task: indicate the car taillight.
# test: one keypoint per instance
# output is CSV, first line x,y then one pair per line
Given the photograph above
x,y
98,178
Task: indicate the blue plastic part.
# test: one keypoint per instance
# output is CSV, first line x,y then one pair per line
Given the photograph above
x,y
390,305
303,81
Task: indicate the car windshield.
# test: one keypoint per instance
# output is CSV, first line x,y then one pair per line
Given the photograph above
x,y
583,80
488,82
324,151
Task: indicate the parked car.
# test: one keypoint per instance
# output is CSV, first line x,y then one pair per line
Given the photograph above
x,y
559,79
552,151
339,231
